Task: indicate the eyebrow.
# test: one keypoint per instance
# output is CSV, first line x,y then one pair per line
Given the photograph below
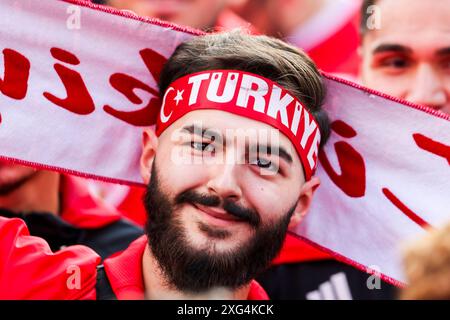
x,y
392,48
280,151
402,49
203,132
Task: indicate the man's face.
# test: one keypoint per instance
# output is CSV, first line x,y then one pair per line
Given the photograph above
x,y
12,176
194,13
409,56
221,205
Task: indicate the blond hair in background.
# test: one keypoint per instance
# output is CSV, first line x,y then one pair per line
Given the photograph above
x,y
427,266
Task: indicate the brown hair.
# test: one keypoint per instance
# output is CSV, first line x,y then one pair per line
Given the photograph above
x,y
262,55
427,266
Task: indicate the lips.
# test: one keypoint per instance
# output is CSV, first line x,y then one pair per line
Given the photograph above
x,y
217,214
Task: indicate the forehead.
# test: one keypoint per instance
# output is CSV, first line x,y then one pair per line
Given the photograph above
x,y
413,23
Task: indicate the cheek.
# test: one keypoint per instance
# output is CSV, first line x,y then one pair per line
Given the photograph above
x,y
394,85
270,200
179,174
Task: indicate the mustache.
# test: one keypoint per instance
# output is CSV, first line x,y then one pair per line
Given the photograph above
x,y
232,208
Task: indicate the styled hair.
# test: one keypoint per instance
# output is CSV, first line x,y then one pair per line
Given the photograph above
x,y
262,55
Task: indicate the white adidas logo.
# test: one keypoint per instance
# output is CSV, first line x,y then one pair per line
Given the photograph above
x,y
335,289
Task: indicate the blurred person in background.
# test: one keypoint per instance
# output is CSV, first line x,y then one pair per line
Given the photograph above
x,y
206,15
326,29
407,53
59,209
427,266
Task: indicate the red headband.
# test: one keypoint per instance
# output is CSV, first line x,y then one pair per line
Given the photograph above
x,y
248,95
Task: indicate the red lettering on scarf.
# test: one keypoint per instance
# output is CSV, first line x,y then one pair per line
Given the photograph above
x,y
78,99
432,146
17,71
403,208
352,180
126,85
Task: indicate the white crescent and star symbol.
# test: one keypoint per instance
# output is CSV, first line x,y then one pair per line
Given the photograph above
x,y
179,96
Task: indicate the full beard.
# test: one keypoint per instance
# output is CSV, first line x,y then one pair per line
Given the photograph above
x,y
194,270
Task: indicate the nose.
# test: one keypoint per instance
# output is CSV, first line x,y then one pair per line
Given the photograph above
x,y
428,88
224,183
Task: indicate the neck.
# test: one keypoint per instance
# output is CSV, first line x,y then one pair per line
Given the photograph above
x,y
156,287
39,194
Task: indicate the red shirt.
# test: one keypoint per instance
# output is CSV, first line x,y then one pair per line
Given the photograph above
x,y
30,270
81,209
124,272
132,206
331,37
295,250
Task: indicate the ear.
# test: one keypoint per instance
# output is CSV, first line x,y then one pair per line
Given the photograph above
x,y
149,146
304,201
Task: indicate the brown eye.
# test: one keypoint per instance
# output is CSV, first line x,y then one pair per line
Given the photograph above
x,y
396,62
202,146
265,164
